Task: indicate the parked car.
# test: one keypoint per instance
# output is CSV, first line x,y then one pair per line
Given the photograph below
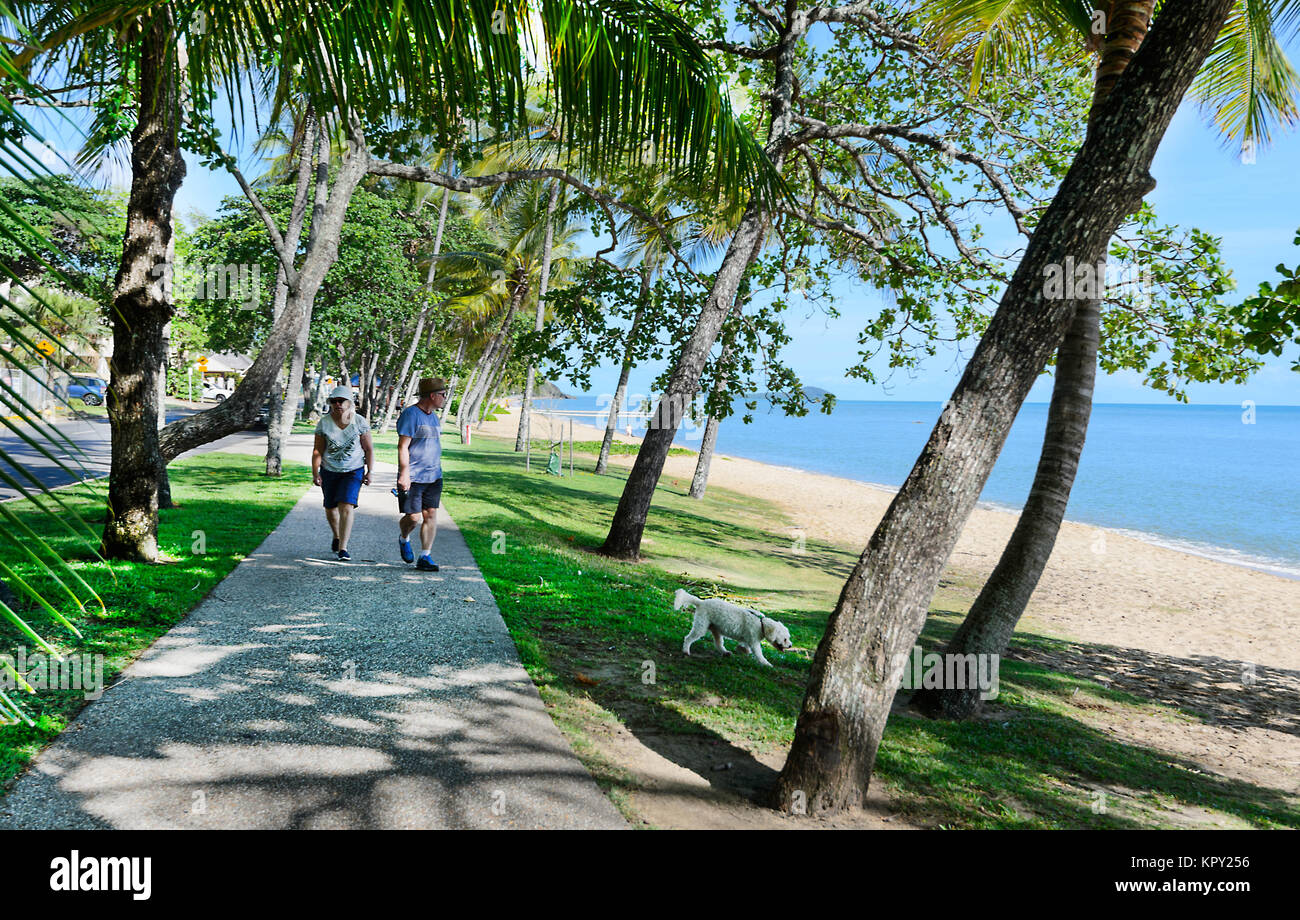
x,y
90,390
264,414
214,392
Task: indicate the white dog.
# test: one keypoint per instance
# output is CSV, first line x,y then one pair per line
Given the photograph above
x,y
723,618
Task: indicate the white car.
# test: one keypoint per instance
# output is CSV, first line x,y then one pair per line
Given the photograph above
x,y
214,392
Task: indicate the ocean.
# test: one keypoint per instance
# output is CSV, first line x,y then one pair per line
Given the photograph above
x,y
1217,480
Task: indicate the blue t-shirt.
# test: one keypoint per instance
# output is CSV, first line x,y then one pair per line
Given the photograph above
x,y
425,449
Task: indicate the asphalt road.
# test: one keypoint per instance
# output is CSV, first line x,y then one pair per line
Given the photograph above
x,y
91,461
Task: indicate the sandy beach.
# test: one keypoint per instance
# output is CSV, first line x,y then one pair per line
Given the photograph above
x,y
1100,586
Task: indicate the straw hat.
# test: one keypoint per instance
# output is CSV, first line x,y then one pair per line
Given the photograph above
x,y
430,385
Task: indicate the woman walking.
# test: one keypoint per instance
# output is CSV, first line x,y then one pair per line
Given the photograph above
x,y
341,463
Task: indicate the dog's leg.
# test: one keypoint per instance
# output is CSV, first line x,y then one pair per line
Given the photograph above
x,y
698,628
757,649
717,640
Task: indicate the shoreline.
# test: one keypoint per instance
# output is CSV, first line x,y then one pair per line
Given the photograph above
x,y
1225,555
1101,585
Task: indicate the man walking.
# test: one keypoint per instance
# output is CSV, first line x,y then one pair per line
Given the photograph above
x,y
419,470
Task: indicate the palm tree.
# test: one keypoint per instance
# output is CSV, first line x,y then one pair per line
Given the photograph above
x,y
535,247
1247,84
405,380
539,322
616,75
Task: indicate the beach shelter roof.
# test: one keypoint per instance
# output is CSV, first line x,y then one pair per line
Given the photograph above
x,y
228,364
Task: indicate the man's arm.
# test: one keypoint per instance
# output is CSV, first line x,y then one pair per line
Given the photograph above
x,y
403,462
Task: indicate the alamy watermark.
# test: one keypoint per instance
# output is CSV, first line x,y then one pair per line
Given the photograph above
x,y
241,282
666,410
1071,280
932,671
40,671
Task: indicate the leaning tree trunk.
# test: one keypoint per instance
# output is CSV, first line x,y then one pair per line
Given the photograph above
x,y
988,627
868,640
241,408
624,539
625,530
280,422
140,307
494,390
629,358
455,378
524,409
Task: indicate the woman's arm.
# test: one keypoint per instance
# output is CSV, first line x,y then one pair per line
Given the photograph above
x,y
317,454
369,447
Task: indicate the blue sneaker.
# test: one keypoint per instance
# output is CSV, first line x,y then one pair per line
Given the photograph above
x,y
405,547
426,564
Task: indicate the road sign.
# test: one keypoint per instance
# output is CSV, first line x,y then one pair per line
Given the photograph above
x,y
203,361
45,347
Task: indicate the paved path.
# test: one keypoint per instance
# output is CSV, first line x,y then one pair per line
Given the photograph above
x,y
308,693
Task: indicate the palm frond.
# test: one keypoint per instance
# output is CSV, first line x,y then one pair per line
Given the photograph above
x,y
1007,35
1248,85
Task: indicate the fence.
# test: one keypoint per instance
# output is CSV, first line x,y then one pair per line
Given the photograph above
x,y
29,390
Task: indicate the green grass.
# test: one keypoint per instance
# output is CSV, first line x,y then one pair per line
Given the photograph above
x,y
587,626
223,496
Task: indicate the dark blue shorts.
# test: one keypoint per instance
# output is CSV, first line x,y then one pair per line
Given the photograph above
x,y
341,487
422,496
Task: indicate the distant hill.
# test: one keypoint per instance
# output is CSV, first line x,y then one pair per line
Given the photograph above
x,y
548,390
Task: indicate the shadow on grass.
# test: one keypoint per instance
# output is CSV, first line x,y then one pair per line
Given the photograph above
x,y
1034,764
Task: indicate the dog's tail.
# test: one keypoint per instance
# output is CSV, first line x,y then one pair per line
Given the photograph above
x,y
684,599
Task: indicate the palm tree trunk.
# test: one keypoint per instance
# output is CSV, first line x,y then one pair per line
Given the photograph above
x,y
455,378
479,392
524,409
140,308
624,538
498,379
701,479
868,640
395,397
988,627
629,357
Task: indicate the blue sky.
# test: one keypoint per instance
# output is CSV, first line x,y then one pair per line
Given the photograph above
x,y
1253,208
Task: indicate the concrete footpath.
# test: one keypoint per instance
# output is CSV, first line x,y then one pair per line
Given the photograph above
x,y
309,693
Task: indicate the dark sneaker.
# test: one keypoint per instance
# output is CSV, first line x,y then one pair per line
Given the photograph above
x,y
344,555
426,564
405,547
334,547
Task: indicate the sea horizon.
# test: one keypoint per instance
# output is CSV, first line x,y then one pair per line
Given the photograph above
x,y
1215,480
